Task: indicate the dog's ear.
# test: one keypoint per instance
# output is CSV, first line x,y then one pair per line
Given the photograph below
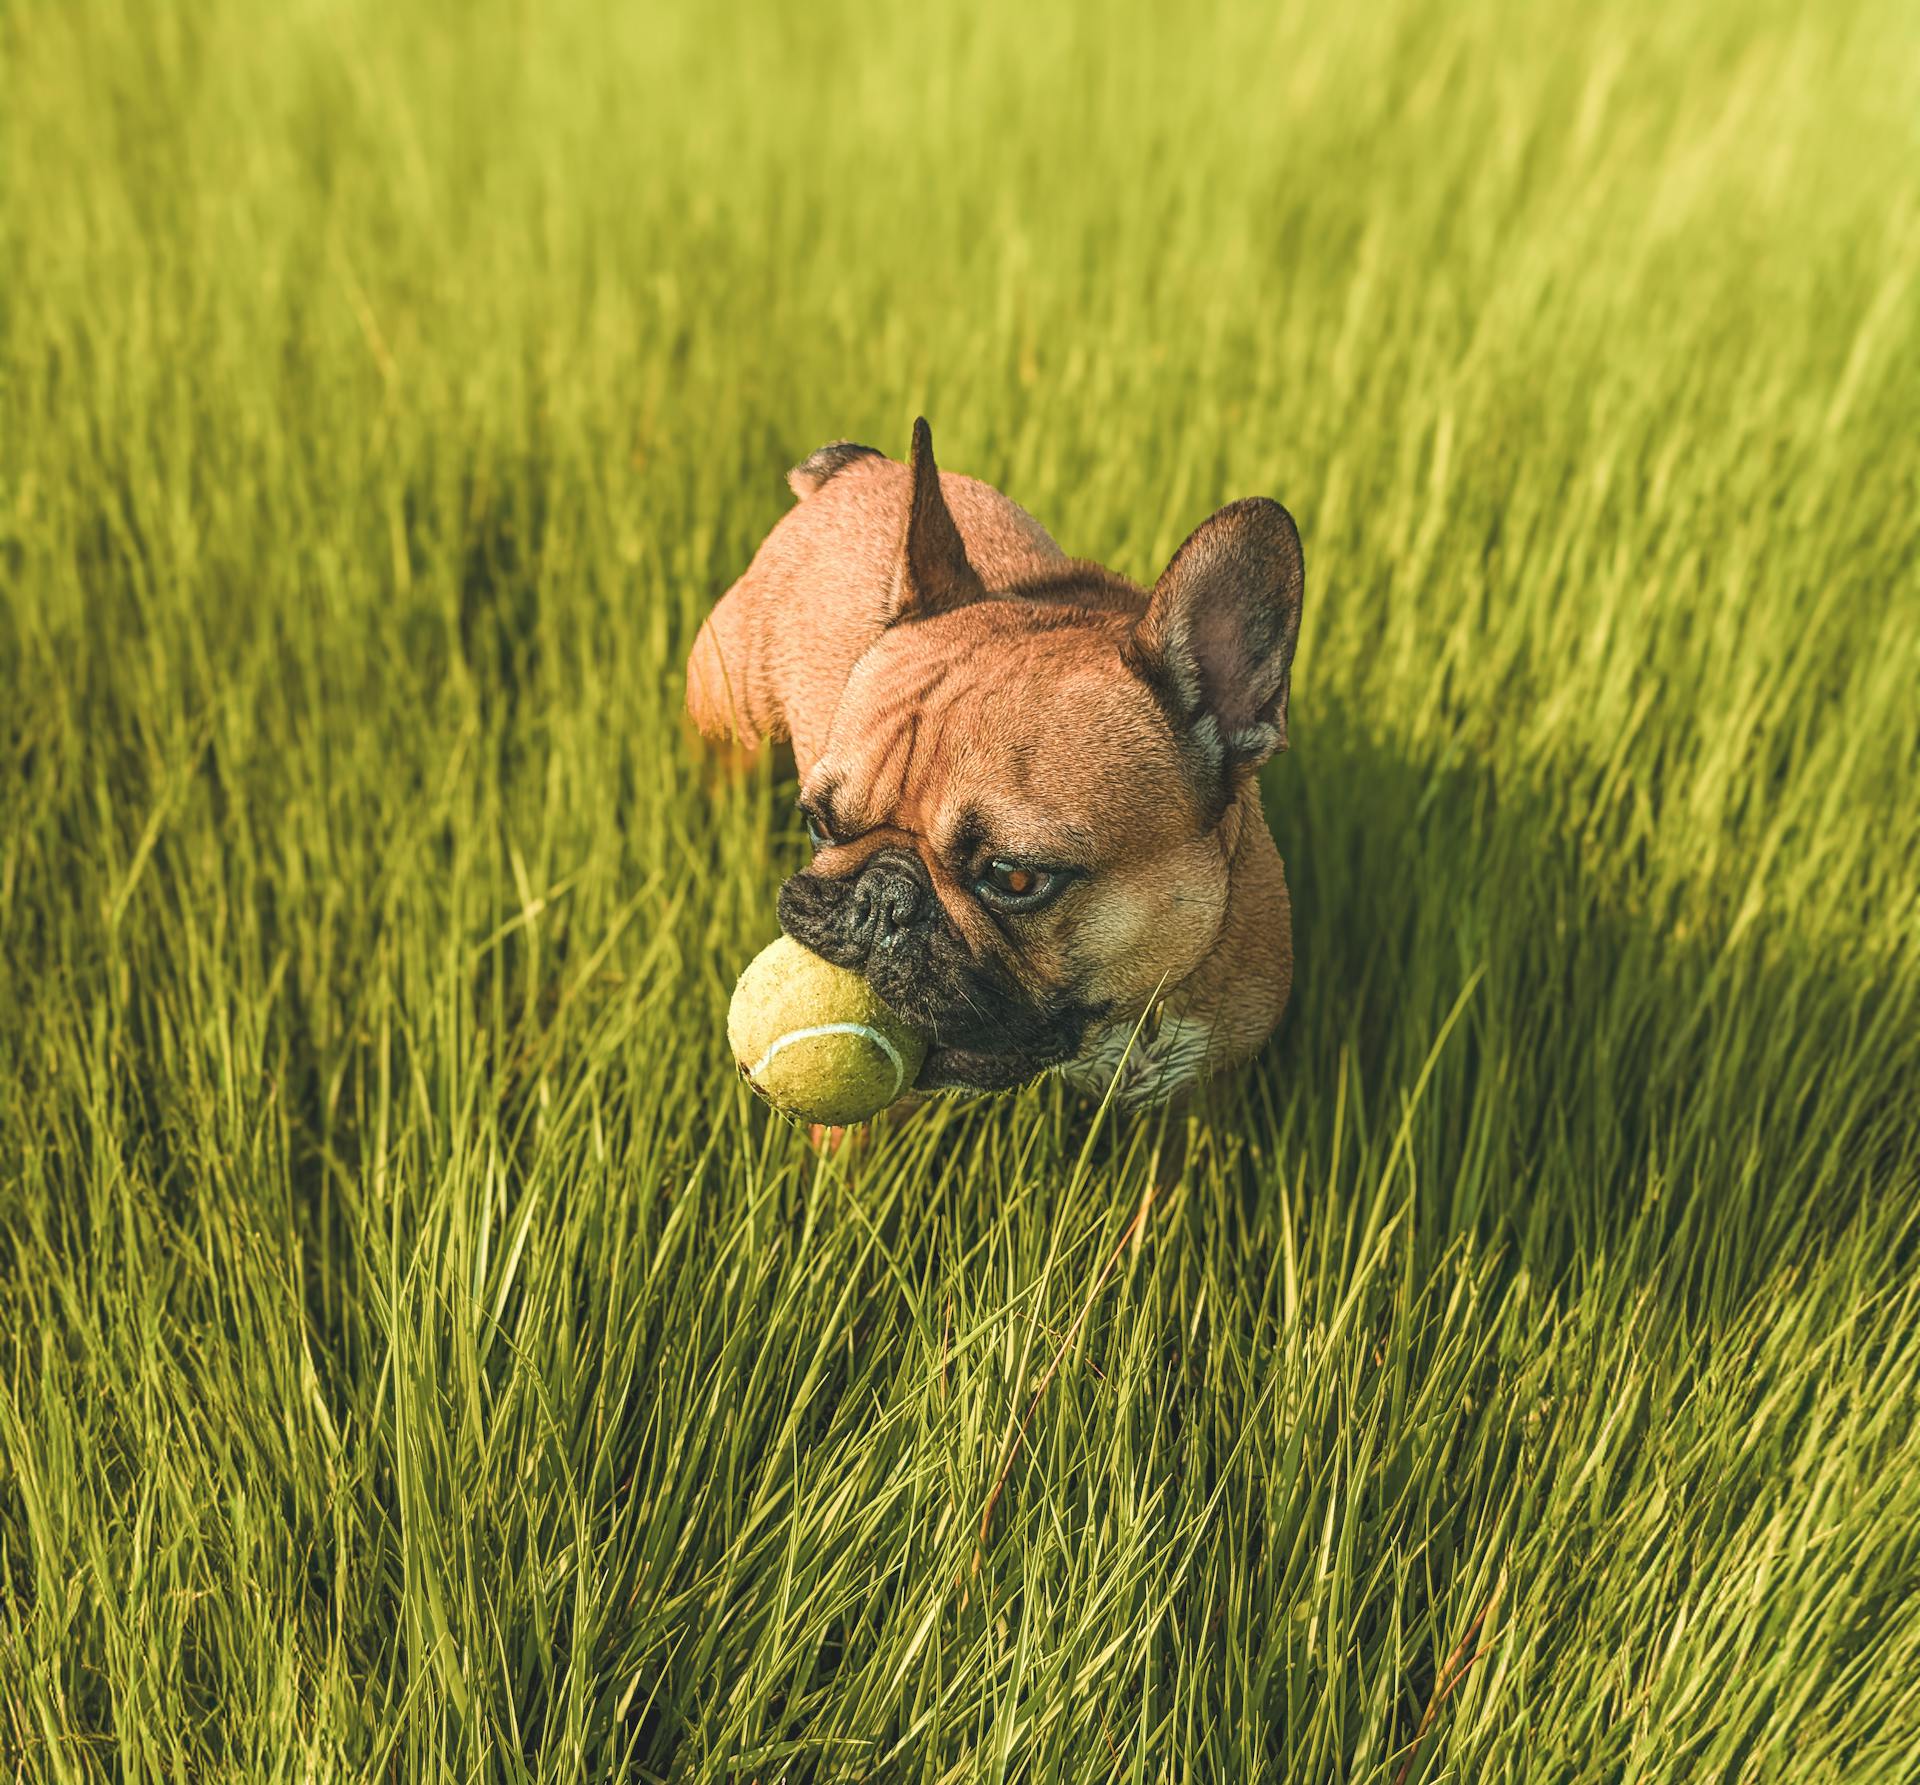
x,y
1216,642
934,573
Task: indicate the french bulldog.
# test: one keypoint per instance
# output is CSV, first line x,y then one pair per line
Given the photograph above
x,y
1030,784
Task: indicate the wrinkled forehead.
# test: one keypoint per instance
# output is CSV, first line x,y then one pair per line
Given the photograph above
x,y
1045,746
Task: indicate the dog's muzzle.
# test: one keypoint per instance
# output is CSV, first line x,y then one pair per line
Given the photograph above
x,y
888,899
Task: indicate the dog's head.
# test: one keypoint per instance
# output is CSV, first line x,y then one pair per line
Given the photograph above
x,y
1018,810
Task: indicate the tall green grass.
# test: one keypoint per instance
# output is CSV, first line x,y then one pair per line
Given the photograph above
x,y
419,1359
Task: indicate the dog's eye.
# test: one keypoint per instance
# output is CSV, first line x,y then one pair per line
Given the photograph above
x,y
1014,886
817,833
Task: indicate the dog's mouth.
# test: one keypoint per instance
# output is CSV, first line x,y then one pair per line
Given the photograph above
x,y
1006,1044
987,1033
984,1034
969,1069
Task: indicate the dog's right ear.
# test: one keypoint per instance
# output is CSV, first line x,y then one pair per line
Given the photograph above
x,y
934,575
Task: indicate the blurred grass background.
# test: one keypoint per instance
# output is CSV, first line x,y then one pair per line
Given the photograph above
x,y
419,1359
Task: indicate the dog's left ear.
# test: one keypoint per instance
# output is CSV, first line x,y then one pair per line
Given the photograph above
x,y
1218,635
934,573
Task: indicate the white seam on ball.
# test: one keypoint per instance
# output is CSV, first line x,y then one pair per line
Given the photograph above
x,y
873,1035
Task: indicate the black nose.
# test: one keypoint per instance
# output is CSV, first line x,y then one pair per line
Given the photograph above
x,y
884,904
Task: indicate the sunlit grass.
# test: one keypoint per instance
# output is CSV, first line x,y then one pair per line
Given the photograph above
x,y
418,1355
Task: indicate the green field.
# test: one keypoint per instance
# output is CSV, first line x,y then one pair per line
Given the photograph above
x,y
420,1358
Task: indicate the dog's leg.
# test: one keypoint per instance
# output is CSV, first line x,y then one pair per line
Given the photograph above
x,y
1173,1153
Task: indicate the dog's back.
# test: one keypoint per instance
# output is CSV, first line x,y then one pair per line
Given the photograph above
x,y
832,564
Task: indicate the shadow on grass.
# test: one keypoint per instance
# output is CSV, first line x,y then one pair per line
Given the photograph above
x,y
1628,1051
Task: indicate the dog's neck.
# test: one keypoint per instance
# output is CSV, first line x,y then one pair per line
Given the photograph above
x,y
1233,826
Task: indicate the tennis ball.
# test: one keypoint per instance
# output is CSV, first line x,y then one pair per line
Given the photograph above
x,y
815,1041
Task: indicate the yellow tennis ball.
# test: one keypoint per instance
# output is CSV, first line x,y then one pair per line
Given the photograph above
x,y
815,1041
